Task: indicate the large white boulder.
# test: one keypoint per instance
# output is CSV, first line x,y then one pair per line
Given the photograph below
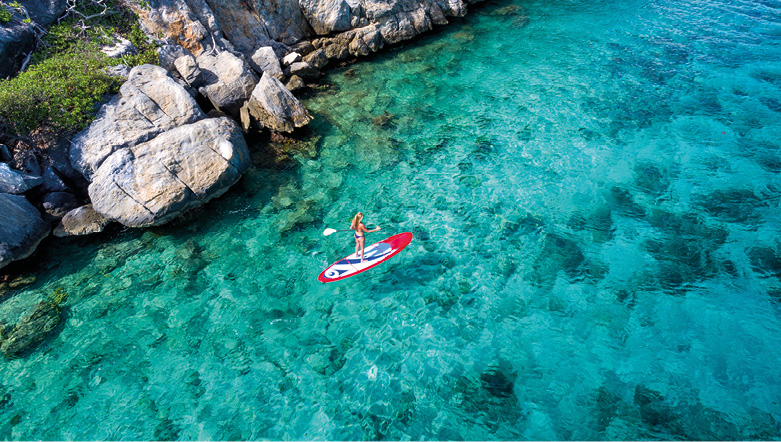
x,y
149,103
151,183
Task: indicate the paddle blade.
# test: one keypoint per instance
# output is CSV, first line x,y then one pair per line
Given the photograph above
x,y
328,231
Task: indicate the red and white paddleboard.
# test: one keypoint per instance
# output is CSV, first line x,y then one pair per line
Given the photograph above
x,y
372,255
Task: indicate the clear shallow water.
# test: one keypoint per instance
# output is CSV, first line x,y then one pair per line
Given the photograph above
x,y
594,192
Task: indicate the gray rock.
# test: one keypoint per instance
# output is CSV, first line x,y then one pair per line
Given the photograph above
x,y
44,12
365,41
317,59
16,182
336,48
168,53
304,70
121,48
295,84
52,181
5,154
32,329
81,221
282,19
275,107
229,81
58,157
291,58
17,38
21,228
120,70
148,104
265,60
57,204
188,69
25,160
187,23
326,16
153,182
304,48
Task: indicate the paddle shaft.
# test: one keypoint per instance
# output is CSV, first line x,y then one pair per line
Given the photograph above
x,y
347,230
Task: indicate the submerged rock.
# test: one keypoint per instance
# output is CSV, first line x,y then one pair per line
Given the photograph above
x,y
153,182
275,107
21,228
32,329
81,221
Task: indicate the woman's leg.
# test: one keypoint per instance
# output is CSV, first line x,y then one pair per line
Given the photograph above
x,y
357,245
362,242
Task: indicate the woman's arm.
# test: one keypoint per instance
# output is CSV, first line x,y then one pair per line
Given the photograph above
x,y
363,228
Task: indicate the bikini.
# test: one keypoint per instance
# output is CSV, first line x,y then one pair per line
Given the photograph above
x,y
357,236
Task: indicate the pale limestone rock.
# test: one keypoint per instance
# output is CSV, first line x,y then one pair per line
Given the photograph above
x,y
148,104
265,60
122,47
188,69
275,107
291,58
304,70
81,221
153,182
326,16
229,81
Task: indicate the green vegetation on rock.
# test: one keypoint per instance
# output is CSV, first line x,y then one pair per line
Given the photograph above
x,y
67,76
5,14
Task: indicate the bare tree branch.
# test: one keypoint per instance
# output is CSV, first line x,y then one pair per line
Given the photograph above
x,y
26,61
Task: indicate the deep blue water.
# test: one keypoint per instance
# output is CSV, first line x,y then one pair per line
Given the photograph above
x,y
594,190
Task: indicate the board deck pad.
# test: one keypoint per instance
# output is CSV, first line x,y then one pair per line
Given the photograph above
x,y
372,255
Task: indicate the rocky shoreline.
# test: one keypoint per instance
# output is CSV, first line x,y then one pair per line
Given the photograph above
x,y
173,138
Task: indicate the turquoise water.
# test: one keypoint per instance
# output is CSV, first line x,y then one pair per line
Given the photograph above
x,y
594,190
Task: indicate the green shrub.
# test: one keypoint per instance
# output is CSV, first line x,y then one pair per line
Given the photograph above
x,y
61,92
66,76
5,14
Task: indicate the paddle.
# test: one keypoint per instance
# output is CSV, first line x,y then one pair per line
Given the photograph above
x,y
328,231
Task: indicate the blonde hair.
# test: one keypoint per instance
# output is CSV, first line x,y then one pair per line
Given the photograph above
x,y
356,221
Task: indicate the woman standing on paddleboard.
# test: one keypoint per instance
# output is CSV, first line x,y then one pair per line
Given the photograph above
x,y
360,230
